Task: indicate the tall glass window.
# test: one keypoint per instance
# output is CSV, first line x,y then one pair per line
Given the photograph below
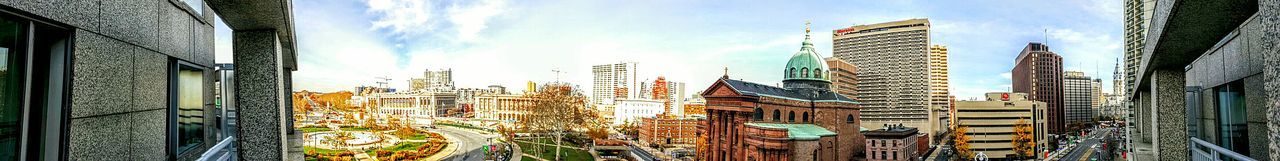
x,y
189,107
1232,128
12,58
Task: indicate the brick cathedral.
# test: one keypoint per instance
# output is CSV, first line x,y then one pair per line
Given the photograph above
x,y
802,120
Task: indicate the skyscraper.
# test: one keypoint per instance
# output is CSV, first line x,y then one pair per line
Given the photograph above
x,y
609,79
1077,97
1038,72
893,77
939,86
433,81
1095,91
842,78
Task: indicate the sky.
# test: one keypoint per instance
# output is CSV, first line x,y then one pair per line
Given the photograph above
x,y
346,43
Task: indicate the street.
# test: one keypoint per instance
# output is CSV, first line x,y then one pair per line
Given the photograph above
x,y
469,143
1085,149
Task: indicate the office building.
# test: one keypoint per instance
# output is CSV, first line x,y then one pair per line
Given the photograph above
x,y
939,87
893,143
631,110
504,108
613,81
134,80
1095,91
842,79
991,122
1205,86
675,93
894,76
802,120
1038,73
434,81
695,109
667,131
1077,101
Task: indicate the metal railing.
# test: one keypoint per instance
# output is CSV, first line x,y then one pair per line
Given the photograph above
x,y
1205,151
223,151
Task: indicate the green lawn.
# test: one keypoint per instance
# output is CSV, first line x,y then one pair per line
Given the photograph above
x,y
405,146
314,129
552,142
355,129
418,136
549,152
320,150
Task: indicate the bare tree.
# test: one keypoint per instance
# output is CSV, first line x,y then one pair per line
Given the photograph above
x,y
557,109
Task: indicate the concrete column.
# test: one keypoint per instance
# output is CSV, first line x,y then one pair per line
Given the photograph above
x,y
1168,91
288,100
260,95
1269,15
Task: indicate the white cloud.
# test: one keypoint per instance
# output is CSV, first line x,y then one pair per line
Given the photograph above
x,y
469,21
1006,75
401,16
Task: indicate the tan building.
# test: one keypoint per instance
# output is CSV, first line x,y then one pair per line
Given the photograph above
x,y
507,107
668,130
894,77
939,85
991,122
842,79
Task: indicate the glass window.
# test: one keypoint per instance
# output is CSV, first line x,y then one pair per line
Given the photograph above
x,y
791,116
776,113
758,114
196,5
188,112
1232,130
12,36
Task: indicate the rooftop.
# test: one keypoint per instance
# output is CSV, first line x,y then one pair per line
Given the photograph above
x,y
798,131
754,89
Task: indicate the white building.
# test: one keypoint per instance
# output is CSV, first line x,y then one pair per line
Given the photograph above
x,y
676,93
608,79
411,105
631,110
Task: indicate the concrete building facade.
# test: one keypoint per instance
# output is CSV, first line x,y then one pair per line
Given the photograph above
x,y
1038,73
631,110
502,107
894,79
991,122
1208,76
134,80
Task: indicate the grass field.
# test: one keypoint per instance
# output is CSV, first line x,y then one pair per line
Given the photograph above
x,y
549,152
321,150
314,129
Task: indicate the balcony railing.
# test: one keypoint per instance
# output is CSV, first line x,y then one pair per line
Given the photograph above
x,y
225,150
1205,151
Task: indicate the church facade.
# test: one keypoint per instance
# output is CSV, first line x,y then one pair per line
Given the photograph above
x,y
803,120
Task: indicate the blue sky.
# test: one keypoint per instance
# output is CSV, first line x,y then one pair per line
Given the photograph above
x,y
346,43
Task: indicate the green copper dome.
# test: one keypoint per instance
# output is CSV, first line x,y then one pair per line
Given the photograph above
x,y
806,64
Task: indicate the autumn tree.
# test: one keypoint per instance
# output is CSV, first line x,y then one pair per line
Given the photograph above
x,y
963,149
1023,138
557,109
338,99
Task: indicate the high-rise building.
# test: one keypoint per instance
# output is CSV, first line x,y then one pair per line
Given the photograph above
x,y
802,120
1077,97
939,87
676,94
894,76
842,79
1098,98
991,122
530,87
613,81
433,81
1038,73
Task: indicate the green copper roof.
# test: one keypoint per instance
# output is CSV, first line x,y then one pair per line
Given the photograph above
x,y
798,131
806,64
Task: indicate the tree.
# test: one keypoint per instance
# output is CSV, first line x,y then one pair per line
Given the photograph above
x,y
963,150
347,118
557,108
1023,139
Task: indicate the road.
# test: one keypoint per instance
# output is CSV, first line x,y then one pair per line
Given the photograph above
x,y
1085,151
469,143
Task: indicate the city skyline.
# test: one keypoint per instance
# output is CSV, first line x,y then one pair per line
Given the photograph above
x,y
505,43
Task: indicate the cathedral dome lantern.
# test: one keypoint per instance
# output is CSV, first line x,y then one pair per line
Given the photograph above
x,y
806,69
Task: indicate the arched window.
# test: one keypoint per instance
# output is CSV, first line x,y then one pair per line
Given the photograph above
x,y
805,117
776,115
791,116
792,73
758,115
817,73
848,119
804,72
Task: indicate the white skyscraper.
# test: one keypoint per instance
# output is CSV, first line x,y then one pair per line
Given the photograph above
x,y
613,81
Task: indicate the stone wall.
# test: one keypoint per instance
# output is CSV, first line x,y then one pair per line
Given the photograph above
x,y
121,55
1267,43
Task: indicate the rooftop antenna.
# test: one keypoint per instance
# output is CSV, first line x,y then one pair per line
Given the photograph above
x,y
1046,38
